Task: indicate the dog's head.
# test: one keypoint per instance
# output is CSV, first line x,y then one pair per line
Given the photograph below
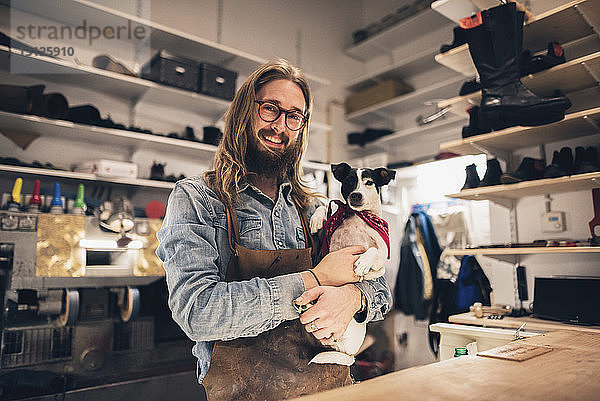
x,y
361,186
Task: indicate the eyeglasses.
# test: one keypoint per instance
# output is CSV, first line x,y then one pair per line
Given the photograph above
x,y
270,112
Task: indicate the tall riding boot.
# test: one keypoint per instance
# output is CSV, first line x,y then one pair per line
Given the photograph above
x,y
495,38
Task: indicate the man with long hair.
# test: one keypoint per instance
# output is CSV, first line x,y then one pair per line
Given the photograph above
x,y
237,252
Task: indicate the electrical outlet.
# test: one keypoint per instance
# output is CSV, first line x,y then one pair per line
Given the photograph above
x,y
553,222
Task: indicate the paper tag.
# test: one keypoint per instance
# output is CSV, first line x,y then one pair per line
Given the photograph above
x,y
471,22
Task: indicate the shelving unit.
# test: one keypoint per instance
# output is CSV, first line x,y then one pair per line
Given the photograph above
x,y
583,123
503,194
403,103
572,76
524,251
138,182
404,31
572,21
161,37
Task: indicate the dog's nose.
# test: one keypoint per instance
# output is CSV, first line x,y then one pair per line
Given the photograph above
x,y
355,198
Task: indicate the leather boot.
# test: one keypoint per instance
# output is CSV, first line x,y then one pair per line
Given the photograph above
x,y
459,39
473,128
495,39
21,99
554,170
472,180
492,174
586,160
529,169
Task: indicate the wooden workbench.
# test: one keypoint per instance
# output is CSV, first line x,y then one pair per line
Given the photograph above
x,y
509,322
571,371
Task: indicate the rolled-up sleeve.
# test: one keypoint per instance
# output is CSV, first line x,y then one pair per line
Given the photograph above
x,y
205,307
379,298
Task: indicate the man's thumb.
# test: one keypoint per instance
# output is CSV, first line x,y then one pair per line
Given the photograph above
x,y
310,295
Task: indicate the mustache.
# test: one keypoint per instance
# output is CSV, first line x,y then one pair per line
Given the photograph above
x,y
268,132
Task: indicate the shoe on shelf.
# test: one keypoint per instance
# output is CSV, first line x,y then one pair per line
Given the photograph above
x,y
495,38
529,169
472,180
458,40
554,56
586,160
492,173
469,87
473,128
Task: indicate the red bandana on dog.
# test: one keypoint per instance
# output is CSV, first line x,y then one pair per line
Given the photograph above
x,y
344,211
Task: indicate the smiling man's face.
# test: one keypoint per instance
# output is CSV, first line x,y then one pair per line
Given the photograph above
x,y
271,145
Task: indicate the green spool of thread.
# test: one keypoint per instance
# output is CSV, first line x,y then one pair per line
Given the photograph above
x,y
460,351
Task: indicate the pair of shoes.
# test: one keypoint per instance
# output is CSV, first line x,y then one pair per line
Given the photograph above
x,y
563,163
554,56
495,38
368,135
529,169
492,175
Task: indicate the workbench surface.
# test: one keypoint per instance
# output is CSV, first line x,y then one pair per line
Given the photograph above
x,y
571,371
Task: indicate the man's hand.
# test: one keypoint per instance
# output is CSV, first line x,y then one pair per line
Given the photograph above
x,y
328,319
337,267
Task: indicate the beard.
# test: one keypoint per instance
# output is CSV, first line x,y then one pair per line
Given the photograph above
x,y
267,162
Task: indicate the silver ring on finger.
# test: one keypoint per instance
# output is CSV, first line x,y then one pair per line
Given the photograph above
x,y
313,327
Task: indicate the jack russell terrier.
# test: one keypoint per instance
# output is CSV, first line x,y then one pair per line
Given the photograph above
x,y
356,222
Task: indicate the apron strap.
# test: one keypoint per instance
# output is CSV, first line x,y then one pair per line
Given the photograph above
x,y
232,228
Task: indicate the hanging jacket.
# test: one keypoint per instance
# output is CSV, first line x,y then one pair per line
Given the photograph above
x,y
416,270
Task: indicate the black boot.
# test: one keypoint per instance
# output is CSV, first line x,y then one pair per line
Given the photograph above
x,y
495,45
586,160
529,169
555,56
459,39
473,127
21,99
472,180
554,170
492,174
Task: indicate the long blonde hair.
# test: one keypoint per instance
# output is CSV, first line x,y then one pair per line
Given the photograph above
x,y
230,158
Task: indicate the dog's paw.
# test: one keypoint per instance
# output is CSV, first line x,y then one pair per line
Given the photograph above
x,y
317,219
365,262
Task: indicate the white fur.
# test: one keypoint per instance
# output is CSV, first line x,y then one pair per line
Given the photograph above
x,y
369,266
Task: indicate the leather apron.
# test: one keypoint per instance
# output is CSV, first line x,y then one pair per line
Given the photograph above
x,y
274,364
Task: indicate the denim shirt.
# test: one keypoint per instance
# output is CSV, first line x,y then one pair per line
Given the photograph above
x,y
194,249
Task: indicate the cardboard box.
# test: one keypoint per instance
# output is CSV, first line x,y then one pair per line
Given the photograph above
x,y
386,90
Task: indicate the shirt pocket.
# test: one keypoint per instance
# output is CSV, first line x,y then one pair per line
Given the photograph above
x,y
250,232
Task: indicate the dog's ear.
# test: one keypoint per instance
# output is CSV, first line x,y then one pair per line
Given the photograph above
x,y
340,171
382,176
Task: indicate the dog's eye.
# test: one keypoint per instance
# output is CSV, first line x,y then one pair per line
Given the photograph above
x,y
369,182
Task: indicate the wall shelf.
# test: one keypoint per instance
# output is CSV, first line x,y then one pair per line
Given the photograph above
x,y
413,101
161,36
572,76
136,182
513,255
407,30
110,83
443,123
10,122
563,24
504,194
574,125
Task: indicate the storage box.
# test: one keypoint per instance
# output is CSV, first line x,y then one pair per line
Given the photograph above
x,y
216,81
171,70
109,168
386,90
